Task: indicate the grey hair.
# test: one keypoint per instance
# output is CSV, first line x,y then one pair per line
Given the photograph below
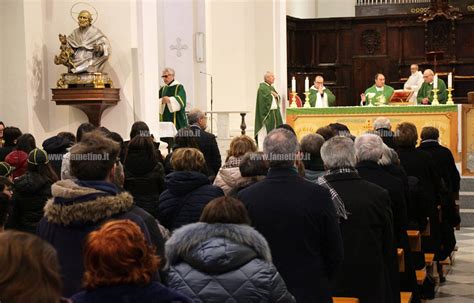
x,y
382,122
338,152
311,144
429,71
195,115
168,70
389,156
266,75
280,147
368,148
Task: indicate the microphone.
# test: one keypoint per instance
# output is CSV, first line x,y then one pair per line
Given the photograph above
x,y
205,73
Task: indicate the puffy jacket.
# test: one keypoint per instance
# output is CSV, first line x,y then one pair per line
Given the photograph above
x,y
223,263
229,175
145,185
31,191
186,195
18,159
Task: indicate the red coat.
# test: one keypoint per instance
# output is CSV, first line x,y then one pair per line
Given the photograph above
x,y
18,159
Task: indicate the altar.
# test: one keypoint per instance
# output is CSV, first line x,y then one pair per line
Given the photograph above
x,y
359,119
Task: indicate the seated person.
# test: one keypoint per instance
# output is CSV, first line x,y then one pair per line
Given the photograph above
x,y
319,95
425,94
414,82
378,94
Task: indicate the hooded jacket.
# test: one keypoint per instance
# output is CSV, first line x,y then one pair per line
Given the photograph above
x,y
57,146
18,159
186,195
30,195
223,263
76,209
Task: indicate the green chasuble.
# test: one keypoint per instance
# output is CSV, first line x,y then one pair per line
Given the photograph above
x,y
328,99
264,115
426,92
377,98
178,118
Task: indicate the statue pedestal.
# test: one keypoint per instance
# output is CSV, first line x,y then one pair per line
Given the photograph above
x,y
92,101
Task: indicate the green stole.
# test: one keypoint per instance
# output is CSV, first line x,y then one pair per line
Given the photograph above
x,y
264,116
426,91
379,97
177,118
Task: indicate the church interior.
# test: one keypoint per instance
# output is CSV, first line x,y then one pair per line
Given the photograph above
x,y
244,63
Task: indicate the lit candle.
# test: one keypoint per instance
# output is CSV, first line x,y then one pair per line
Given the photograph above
x,y
306,84
450,80
293,85
435,81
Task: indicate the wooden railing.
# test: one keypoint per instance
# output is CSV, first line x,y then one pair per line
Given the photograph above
x,y
385,2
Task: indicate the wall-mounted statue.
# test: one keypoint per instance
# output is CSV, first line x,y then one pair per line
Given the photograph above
x,y
84,52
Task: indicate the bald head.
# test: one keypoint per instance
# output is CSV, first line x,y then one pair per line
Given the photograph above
x,y
428,75
414,68
269,77
318,82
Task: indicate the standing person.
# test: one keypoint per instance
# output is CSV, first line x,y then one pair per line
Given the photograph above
x,y
298,219
119,267
378,94
32,190
10,136
29,270
414,82
366,228
2,127
319,95
84,128
172,100
196,251
267,112
80,206
58,146
206,141
18,157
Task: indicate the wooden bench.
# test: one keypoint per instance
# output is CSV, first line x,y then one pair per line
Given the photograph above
x,y
401,260
345,300
414,237
429,259
405,297
420,276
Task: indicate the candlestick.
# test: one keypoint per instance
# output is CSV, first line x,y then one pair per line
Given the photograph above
x,y
450,80
450,96
293,99
435,81
435,97
306,100
293,85
306,84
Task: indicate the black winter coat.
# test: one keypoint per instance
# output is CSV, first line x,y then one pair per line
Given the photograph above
x,y
145,186
298,220
369,256
208,146
31,191
186,195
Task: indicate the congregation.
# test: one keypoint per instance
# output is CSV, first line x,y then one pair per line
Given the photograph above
x,y
91,217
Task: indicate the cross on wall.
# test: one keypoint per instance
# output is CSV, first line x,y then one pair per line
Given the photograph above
x,y
178,47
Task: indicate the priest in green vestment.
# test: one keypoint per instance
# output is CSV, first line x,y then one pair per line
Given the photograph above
x,y
319,95
267,112
172,100
378,94
425,94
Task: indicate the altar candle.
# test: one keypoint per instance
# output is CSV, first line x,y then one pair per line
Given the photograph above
x,y
450,80
306,84
435,81
293,84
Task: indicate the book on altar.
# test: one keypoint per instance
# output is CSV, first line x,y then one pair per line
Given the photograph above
x,y
401,97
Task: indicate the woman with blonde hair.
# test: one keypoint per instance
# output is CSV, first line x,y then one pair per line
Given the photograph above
x,y
188,189
29,270
229,175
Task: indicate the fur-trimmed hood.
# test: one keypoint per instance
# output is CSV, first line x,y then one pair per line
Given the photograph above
x,y
73,203
216,248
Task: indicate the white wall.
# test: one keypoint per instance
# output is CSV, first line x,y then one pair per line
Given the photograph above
x,y
302,8
336,8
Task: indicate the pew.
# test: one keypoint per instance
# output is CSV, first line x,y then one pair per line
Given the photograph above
x,y
405,297
401,260
421,276
345,300
414,237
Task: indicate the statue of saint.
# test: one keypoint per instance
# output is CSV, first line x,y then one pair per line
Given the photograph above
x,y
89,45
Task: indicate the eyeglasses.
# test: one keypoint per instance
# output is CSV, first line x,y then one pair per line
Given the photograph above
x,y
165,76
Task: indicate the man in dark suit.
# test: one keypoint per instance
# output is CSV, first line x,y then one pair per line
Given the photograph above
x,y
367,231
298,220
383,128
369,150
206,141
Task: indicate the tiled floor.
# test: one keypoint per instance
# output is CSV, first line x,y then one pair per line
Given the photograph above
x,y
459,286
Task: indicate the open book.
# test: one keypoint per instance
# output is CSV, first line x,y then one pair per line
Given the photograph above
x,y
401,97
